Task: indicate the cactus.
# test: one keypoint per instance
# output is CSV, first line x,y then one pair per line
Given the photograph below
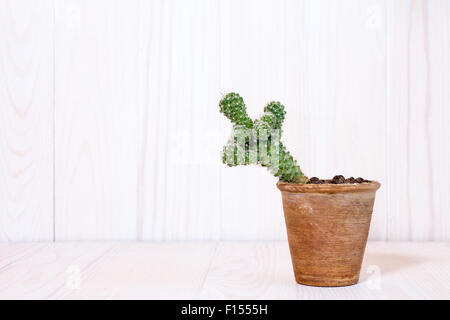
x,y
258,141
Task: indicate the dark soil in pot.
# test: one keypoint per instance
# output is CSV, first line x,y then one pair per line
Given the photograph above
x,y
337,180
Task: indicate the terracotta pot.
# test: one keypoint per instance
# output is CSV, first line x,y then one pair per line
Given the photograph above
x,y
327,227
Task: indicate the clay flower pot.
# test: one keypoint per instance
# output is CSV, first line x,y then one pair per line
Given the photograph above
x,y
327,227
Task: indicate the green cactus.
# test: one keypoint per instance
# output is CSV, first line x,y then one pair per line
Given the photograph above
x,y
233,107
258,141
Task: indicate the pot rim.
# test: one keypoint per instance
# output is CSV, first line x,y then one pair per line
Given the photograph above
x,y
328,188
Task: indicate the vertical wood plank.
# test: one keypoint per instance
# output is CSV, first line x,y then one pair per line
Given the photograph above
x,y
179,138
326,62
438,19
26,120
418,117
342,103
251,37
96,119
253,41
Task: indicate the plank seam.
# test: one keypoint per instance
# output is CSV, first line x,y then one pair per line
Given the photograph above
x,y
54,121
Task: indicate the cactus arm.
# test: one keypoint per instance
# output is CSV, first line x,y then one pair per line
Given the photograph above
x,y
233,107
281,164
289,171
274,114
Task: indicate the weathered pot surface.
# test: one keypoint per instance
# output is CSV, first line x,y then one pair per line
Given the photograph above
x,y
327,227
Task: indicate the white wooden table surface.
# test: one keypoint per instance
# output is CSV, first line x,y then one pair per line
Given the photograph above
x,y
236,270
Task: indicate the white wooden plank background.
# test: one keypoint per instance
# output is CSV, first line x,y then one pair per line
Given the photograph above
x,y
96,119
340,114
418,120
26,120
206,270
179,146
131,88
